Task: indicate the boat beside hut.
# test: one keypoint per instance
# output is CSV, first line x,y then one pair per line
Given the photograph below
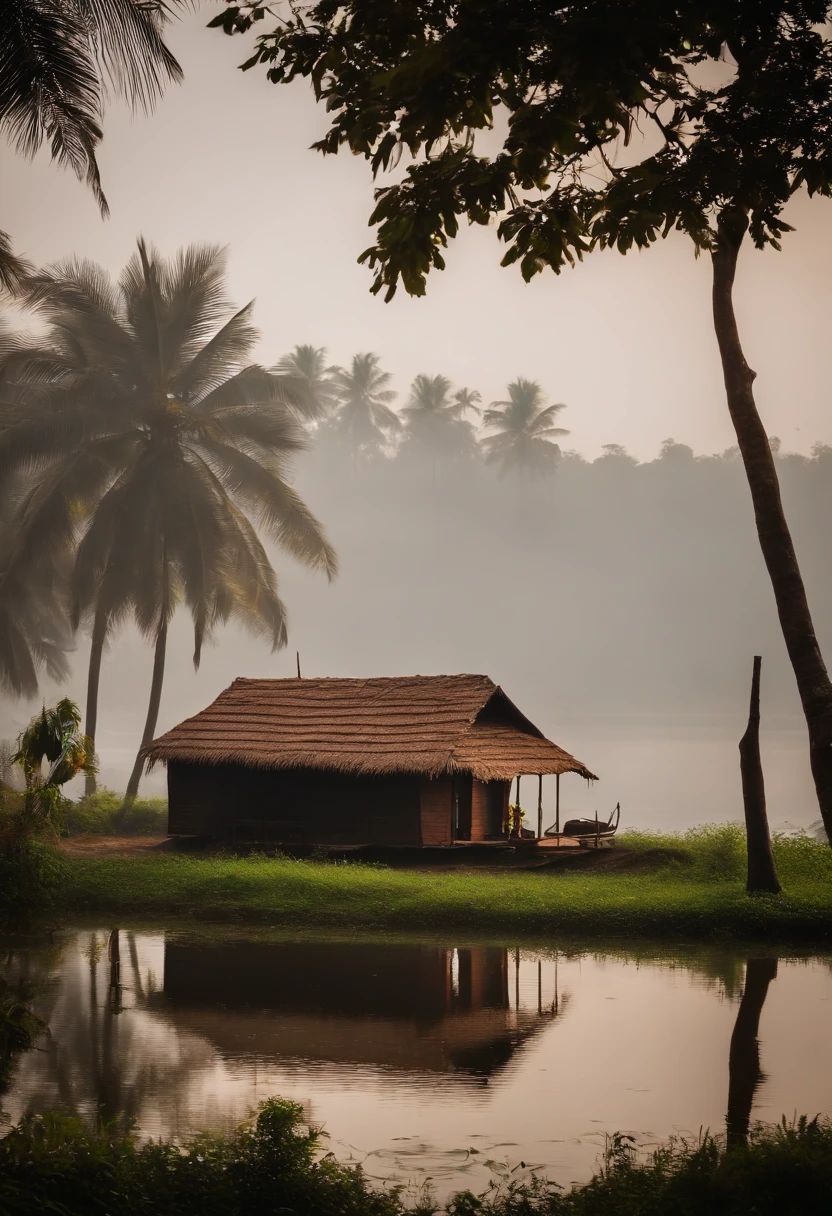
x,y
406,760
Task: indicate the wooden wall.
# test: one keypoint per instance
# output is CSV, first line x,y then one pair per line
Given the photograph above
x,y
436,806
230,802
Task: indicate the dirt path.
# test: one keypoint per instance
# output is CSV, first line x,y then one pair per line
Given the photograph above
x,y
115,846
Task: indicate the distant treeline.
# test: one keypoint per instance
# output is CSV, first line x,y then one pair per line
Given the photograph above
x,y
611,586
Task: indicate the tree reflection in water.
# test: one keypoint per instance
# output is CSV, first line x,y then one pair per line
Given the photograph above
x,y
397,1009
744,1072
105,1057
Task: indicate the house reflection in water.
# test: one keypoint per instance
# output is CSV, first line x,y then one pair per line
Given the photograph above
x,y
411,1008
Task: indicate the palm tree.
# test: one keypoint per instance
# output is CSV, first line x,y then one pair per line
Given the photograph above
x,y
34,629
58,61
150,435
14,270
525,430
467,399
307,365
364,418
434,417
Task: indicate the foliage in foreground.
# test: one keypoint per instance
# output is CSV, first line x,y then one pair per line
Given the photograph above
x,y
33,880
783,1169
54,1163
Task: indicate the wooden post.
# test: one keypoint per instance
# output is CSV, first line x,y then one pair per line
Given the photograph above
x,y
557,804
540,806
539,986
762,874
114,958
297,657
597,829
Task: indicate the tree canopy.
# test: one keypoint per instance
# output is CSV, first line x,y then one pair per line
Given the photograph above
x,y
596,123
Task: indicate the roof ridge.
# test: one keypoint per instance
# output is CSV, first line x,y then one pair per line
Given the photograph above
x,y
446,675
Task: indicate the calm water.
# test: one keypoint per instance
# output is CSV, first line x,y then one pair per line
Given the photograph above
x,y
424,1061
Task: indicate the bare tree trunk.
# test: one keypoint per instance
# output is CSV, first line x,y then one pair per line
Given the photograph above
x,y
744,1072
152,714
762,873
99,637
813,681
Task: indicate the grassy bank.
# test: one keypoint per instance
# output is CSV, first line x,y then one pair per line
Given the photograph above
x,y
687,886
54,1164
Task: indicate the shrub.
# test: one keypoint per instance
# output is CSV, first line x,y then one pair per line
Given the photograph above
x,y
32,877
53,1163
101,814
785,1170
802,858
710,852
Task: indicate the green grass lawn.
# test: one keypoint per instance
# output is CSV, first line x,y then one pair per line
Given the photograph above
x,y
688,886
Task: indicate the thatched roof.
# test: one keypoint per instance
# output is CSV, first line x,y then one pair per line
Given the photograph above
x,y
405,724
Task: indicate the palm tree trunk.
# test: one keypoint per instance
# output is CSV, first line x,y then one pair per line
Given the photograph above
x,y
813,681
99,637
152,714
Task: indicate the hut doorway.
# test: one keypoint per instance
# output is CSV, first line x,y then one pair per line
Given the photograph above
x,y
496,809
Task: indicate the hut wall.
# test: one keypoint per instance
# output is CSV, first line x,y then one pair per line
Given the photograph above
x,y
197,803
292,806
489,805
436,811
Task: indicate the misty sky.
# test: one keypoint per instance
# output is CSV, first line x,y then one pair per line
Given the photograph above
x,y
625,342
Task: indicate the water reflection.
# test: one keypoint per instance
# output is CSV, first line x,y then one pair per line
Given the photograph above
x,y
416,1008
744,1072
419,1058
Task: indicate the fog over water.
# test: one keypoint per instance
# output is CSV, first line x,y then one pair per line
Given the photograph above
x,y
620,603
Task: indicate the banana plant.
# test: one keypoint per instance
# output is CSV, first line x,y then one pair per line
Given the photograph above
x,y
50,751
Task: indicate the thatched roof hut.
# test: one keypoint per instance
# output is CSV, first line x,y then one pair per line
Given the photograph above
x,y
369,742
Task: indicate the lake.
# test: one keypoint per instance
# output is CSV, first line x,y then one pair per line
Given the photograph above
x,y
423,1060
